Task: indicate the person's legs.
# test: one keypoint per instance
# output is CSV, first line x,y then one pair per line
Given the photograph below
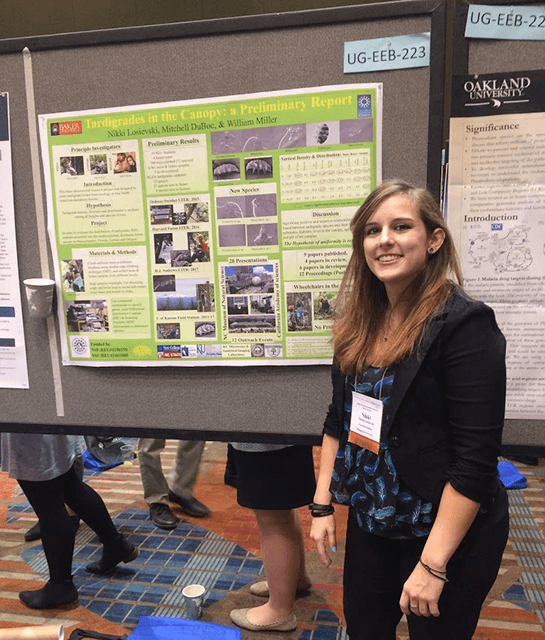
x,y
371,584
184,471
34,533
183,477
273,484
303,581
47,500
282,551
154,482
88,504
230,475
151,471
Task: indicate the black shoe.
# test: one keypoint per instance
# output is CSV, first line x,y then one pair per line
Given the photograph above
x,y
162,516
50,595
34,533
120,550
192,507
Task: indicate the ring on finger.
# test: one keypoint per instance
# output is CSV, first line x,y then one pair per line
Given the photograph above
x,y
413,605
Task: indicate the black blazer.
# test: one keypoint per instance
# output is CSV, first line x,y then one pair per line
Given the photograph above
x,y
447,405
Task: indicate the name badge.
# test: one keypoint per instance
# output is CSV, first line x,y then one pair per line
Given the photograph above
x,y
365,422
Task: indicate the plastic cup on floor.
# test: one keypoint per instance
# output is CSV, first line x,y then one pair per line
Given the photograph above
x,y
193,600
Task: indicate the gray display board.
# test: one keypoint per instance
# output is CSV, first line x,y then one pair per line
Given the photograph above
x,y
476,56
133,66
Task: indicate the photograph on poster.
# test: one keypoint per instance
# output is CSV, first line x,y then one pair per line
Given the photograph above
x,y
72,166
237,305
161,214
196,212
262,234
249,279
180,258
205,297
124,162
198,246
86,316
226,169
262,304
232,236
164,282
72,275
323,304
162,243
166,331
251,324
258,168
205,329
98,164
299,311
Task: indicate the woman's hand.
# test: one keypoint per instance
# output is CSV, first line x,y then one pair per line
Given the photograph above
x,y
421,593
322,531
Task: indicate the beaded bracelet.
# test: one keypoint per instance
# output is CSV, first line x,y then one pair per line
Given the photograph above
x,y
434,572
320,510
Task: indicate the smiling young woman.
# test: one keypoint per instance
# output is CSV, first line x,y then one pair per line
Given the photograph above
x,y
413,432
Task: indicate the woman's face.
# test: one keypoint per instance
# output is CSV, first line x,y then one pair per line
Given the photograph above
x,y
396,243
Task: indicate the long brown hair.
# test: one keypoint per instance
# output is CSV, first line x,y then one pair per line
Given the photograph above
x,y
361,306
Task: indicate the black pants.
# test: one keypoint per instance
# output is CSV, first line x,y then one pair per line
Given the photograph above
x,y
48,499
376,568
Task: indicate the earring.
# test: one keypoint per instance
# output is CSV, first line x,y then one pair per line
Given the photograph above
x,y
431,250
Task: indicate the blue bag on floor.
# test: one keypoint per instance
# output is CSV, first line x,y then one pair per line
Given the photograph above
x,y
511,477
90,462
103,452
158,628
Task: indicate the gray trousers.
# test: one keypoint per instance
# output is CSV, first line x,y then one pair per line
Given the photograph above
x,y
182,475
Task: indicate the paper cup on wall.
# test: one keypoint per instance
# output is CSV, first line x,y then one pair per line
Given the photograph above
x,y
193,600
46,632
39,295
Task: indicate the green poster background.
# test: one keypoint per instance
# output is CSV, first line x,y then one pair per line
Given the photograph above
x,y
207,233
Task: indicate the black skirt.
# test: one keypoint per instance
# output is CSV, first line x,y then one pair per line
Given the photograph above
x,y
272,480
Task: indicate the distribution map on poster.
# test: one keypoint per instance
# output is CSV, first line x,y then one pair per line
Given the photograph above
x,y
215,232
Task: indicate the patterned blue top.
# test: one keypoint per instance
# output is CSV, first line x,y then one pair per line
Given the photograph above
x,y
368,482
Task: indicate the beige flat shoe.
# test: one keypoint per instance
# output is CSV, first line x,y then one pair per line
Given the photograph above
x,y
240,618
262,589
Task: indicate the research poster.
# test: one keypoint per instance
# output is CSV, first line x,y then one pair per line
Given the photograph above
x,y
207,232
496,207
13,363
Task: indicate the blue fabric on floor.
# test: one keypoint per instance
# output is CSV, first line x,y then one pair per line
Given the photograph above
x,y
158,628
511,477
